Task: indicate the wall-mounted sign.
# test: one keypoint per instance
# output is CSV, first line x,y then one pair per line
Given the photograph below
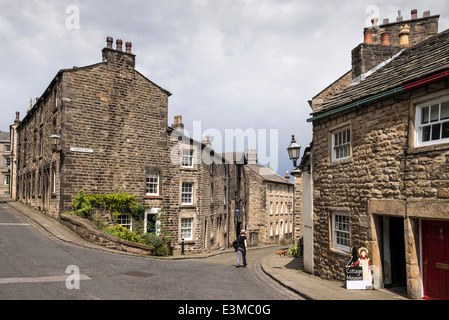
x,y
237,213
83,150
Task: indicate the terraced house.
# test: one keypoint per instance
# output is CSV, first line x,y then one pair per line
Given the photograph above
x,y
103,128
380,159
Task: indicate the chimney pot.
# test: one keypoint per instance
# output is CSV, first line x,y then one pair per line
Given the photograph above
x,y
385,38
109,42
368,36
414,13
119,44
399,18
404,31
426,14
386,21
374,21
128,47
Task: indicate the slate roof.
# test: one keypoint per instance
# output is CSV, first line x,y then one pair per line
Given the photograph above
x,y
424,59
267,174
4,136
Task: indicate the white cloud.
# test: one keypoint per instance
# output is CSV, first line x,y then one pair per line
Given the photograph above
x,y
231,64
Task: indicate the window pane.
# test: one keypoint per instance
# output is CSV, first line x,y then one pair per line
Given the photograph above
x,y
425,115
434,112
436,131
426,133
445,130
444,110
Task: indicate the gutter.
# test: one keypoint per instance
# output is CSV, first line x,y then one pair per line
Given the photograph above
x,y
407,87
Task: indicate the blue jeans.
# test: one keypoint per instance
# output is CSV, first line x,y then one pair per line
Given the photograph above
x,y
241,252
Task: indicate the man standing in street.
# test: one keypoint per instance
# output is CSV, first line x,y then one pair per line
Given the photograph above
x,y
242,247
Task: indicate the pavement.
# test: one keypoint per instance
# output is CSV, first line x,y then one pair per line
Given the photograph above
x,y
287,271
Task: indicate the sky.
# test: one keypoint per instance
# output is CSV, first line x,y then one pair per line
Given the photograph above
x,y
241,70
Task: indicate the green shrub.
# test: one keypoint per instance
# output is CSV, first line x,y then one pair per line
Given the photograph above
x,y
123,233
152,239
162,251
293,251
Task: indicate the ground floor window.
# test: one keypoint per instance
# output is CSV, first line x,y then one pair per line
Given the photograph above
x,y
125,220
187,228
340,231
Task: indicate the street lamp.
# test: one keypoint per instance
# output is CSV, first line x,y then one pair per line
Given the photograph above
x,y
294,150
55,141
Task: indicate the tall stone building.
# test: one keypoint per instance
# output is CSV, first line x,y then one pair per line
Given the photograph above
x,y
5,163
270,204
103,129
379,160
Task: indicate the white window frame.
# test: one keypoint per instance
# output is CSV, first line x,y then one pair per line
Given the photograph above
x,y
341,144
419,126
187,158
125,220
148,183
186,190
341,235
187,228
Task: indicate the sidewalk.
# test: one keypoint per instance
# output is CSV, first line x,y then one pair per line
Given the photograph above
x,y
284,270
287,272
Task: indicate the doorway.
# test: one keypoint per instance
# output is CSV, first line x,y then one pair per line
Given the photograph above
x,y
435,251
393,253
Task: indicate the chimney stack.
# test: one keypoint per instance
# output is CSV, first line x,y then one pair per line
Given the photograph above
x,y
374,22
287,177
414,14
252,156
119,44
178,125
399,18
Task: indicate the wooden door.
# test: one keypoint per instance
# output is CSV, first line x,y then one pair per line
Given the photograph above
x,y
435,247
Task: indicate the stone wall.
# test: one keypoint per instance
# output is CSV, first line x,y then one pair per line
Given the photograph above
x,y
88,231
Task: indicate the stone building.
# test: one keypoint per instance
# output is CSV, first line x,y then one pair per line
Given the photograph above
x,y
103,129
380,161
270,204
5,163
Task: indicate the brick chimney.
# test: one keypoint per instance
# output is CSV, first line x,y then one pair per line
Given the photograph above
x,y
252,156
178,125
118,57
287,177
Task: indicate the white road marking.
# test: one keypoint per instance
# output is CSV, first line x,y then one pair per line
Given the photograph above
x,y
40,279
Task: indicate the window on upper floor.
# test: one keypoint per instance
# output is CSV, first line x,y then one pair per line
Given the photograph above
x,y
341,144
187,158
432,123
152,184
187,193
